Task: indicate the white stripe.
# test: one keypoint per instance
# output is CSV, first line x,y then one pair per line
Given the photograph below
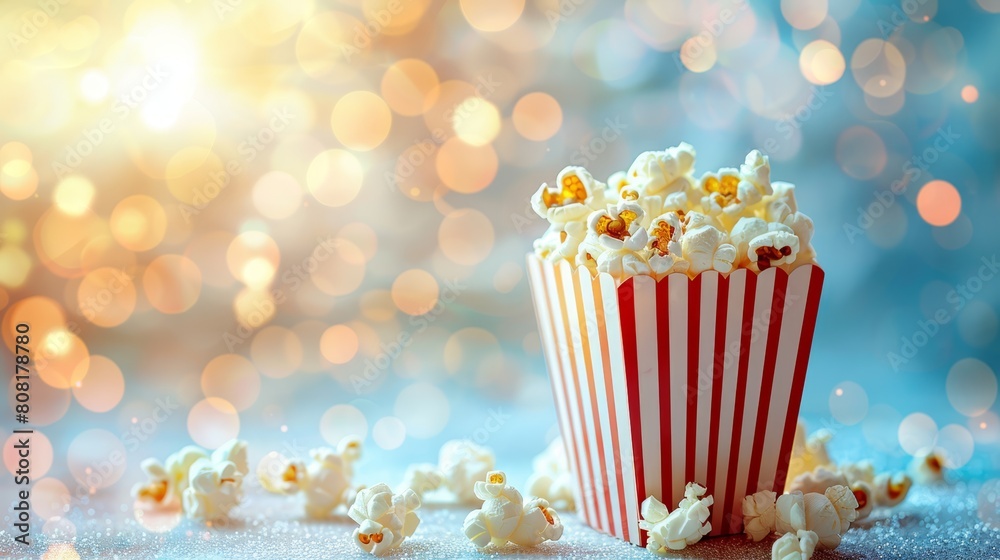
x,y
730,375
706,372
584,321
755,373
649,385
571,344
784,371
678,312
612,317
571,438
604,425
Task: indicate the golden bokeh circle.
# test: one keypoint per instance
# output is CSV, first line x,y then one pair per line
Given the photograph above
x,y
334,177
537,116
339,344
106,296
138,222
415,291
410,87
212,422
233,378
172,283
466,236
464,168
361,120
103,386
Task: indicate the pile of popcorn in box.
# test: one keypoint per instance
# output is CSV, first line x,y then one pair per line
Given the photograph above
x,y
657,218
821,502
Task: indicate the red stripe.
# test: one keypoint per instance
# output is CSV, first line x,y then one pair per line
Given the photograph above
x,y
799,378
587,502
602,327
595,414
663,367
767,383
693,383
626,299
719,357
734,511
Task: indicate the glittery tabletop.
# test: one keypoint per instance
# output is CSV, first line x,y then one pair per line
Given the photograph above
x,y
948,522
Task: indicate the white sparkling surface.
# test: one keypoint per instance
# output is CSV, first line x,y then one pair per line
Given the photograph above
x,y
932,523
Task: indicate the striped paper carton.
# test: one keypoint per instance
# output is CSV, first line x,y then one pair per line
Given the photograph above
x,y
658,384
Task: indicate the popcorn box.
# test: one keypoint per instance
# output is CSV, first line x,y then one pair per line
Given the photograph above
x,y
657,384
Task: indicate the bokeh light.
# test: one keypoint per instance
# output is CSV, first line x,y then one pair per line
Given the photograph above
x,y
212,422
917,432
172,283
96,459
361,120
971,386
232,378
343,420
103,386
334,177
423,409
848,403
415,292
939,203
537,116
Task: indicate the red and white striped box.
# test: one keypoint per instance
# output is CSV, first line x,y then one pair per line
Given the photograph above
x,y
658,384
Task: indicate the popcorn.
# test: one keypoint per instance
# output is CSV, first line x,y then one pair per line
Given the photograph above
x,y
385,519
328,477
552,479
865,497
619,230
774,248
808,453
462,463
680,528
234,450
623,230
159,488
759,514
326,482
504,517
205,486
795,546
280,475
828,515
862,471
575,196
215,489
818,481
422,478
663,172
706,249
927,466
846,504
891,489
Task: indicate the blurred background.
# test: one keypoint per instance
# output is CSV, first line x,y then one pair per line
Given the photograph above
x,y
292,220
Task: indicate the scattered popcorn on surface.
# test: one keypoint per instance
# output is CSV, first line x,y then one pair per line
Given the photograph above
x,y
462,463
828,515
505,517
385,519
206,487
326,482
680,528
759,514
795,546
808,453
552,479
215,489
818,481
657,219
891,488
928,466
865,497
329,477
